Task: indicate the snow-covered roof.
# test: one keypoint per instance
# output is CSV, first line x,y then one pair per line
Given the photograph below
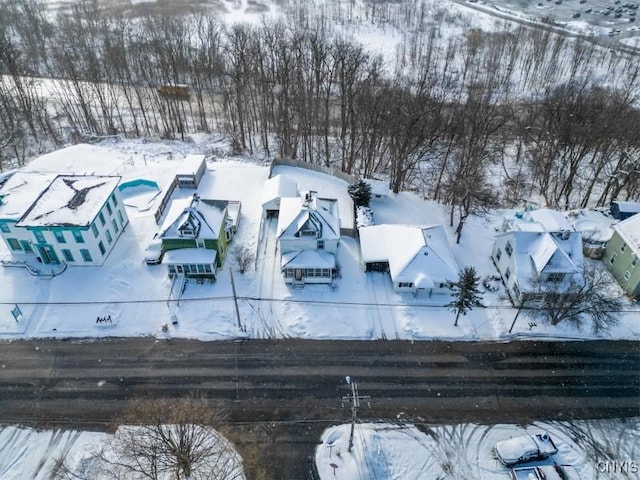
x,y
279,186
189,255
296,212
70,200
20,191
203,215
541,220
629,230
190,165
628,207
545,252
549,220
421,254
308,259
378,187
81,159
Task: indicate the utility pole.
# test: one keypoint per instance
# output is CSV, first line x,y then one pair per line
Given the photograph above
x,y
235,299
354,399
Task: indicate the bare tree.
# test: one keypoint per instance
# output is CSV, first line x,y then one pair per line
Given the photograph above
x,y
243,257
585,298
160,438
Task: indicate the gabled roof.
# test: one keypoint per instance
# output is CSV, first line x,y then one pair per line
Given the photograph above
x,y
317,213
206,217
535,253
629,230
279,186
70,200
421,254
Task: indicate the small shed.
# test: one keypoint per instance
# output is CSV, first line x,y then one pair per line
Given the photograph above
x,y
275,189
379,189
191,171
621,210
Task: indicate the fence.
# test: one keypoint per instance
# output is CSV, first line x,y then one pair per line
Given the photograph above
x,y
163,203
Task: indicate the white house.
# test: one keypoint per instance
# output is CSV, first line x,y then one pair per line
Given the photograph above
x,y
523,258
275,189
418,258
308,235
72,219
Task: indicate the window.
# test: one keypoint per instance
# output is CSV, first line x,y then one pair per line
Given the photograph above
x,y
508,248
68,256
14,244
109,237
405,284
227,235
94,229
498,254
320,244
101,217
634,262
507,272
200,268
627,275
121,218
101,247
612,259
555,277
113,199
172,269
4,228
623,247
59,236
115,226
108,205
207,268
86,255
26,246
77,235
39,236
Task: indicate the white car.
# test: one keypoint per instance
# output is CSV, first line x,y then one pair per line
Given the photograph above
x,y
153,252
525,448
545,472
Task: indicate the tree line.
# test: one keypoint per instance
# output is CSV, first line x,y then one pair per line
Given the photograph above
x,y
469,118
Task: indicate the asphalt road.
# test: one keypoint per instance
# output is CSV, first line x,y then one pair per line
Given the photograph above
x,y
291,389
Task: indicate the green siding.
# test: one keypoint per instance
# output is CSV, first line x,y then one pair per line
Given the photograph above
x,y
175,243
622,264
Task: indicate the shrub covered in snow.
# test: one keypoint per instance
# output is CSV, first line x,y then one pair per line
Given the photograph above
x,y
364,217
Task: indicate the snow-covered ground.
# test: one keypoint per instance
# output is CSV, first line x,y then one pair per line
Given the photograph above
x,y
358,305
405,451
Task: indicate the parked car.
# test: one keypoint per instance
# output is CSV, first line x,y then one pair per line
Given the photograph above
x,y
546,472
525,448
153,252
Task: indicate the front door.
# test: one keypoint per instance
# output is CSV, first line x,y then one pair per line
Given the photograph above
x,y
298,274
48,254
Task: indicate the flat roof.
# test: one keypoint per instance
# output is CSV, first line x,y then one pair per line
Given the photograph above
x,y
20,191
70,200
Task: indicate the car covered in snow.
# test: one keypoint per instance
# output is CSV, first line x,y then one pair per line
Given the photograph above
x,y
545,472
525,448
153,252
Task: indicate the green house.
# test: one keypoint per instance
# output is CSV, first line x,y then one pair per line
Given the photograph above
x,y
195,237
621,256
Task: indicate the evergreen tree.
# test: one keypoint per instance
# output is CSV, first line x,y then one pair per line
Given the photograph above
x,y
360,192
465,292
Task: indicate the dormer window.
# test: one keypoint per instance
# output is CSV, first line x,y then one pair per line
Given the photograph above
x,y
308,233
190,227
